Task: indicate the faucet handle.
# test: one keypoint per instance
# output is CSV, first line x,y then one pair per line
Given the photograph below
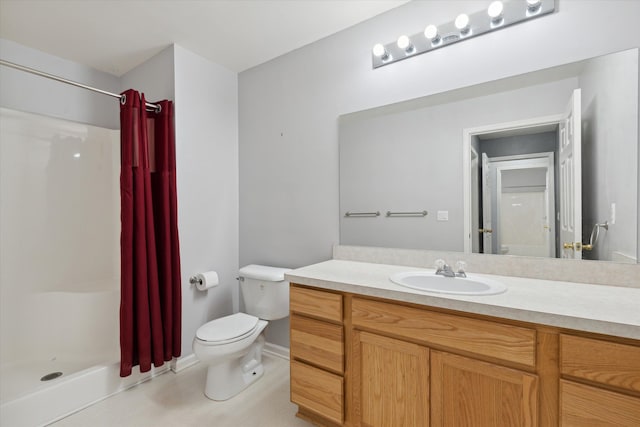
x,y
439,264
461,266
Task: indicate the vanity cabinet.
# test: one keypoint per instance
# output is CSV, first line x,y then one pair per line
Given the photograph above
x,y
391,381
600,382
417,380
317,355
366,361
469,392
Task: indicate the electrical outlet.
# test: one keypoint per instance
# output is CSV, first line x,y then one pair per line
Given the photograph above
x,y
612,214
443,215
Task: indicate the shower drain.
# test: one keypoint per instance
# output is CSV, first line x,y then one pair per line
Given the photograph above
x,y
51,376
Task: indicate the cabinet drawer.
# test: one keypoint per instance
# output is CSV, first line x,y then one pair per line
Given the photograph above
x,y
317,342
317,391
581,405
324,305
511,343
613,364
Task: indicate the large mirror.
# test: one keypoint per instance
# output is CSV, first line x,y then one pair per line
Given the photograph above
x,y
542,164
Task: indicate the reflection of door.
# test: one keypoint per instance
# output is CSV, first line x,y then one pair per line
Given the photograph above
x,y
570,161
486,230
524,205
519,204
525,128
475,202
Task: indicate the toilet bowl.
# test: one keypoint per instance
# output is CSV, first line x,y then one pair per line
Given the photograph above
x,y
232,345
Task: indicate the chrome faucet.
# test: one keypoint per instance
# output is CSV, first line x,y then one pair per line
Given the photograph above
x,y
444,269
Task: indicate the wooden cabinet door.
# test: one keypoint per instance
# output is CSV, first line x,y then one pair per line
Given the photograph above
x,y
391,382
468,392
582,406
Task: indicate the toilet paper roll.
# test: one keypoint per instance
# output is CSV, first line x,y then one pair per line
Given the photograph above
x,y
206,280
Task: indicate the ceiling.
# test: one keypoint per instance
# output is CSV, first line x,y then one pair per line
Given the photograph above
x,y
117,35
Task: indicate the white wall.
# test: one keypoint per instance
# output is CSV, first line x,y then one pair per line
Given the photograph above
x,y
206,118
610,150
289,108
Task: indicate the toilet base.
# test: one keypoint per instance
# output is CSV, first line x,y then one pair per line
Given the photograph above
x,y
230,377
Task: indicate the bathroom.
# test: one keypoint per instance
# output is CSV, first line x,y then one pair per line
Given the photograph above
x,y
258,181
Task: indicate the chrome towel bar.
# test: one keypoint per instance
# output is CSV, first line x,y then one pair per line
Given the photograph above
x,y
421,213
361,214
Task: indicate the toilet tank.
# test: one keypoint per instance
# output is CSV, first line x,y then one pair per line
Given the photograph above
x,y
265,292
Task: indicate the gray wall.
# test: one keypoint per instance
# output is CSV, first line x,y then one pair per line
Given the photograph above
x,y
610,150
289,107
33,94
545,142
155,77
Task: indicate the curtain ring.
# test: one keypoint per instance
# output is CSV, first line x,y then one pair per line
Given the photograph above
x,y
158,108
123,99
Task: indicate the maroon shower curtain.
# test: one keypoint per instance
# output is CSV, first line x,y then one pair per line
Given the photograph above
x,y
150,303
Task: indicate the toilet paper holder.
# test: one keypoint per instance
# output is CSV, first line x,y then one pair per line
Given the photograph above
x,y
205,280
195,280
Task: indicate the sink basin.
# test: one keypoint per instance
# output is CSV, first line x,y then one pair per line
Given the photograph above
x,y
430,282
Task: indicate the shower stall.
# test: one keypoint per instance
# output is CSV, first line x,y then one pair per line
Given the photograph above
x,y
59,267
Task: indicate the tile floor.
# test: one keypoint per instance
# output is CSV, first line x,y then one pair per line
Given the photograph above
x,y
178,400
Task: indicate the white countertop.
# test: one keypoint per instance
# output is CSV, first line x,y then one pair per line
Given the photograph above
x,y
602,309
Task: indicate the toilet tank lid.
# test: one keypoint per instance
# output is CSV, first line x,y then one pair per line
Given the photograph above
x,y
263,272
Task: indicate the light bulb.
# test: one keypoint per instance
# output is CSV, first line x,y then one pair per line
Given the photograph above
x,y
403,42
533,5
380,51
431,33
495,9
462,22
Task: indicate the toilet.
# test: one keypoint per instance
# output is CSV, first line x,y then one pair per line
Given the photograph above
x,y
232,345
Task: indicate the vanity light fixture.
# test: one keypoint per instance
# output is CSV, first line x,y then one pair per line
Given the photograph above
x,y
431,33
462,24
497,15
379,51
405,44
533,6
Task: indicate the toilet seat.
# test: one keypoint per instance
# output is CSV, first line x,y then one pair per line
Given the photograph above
x,y
227,329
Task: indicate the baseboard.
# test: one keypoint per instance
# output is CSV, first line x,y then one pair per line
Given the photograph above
x,y
182,363
276,350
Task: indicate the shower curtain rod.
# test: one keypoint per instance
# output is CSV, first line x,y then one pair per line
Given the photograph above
x,y
156,107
